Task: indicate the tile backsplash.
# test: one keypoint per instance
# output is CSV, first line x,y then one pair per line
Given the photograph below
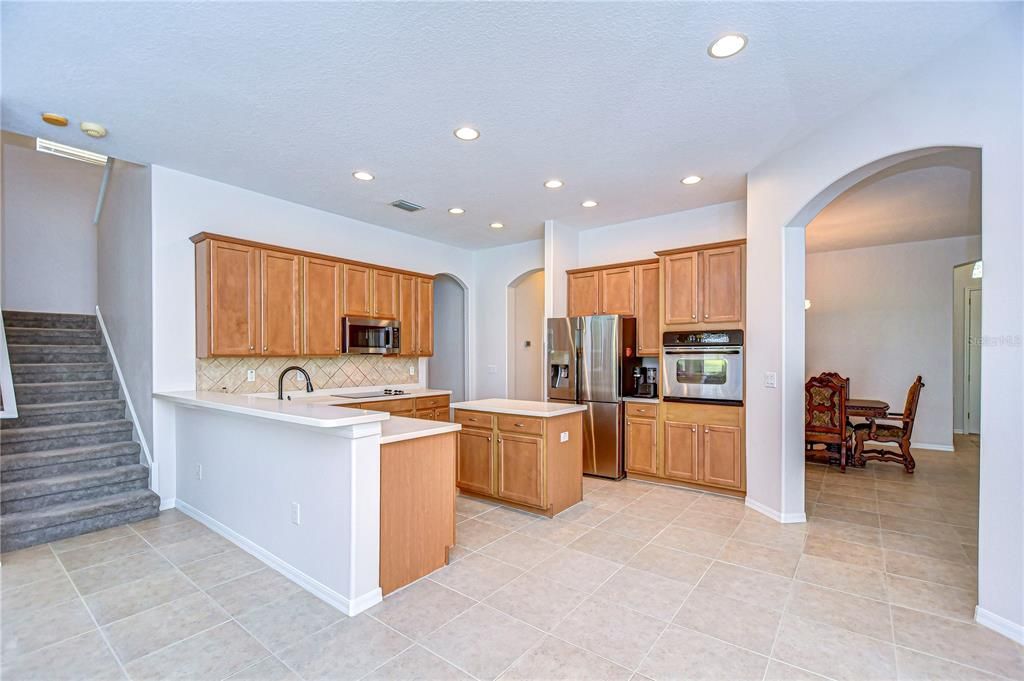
x,y
228,374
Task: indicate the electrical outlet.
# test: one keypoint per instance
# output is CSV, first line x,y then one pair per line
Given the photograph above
x,y
250,375
412,370
563,436
296,513
771,379
199,471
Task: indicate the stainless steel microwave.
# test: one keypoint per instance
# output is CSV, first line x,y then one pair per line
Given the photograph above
x,y
371,336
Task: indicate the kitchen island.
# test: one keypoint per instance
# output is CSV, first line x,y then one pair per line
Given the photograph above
x,y
524,454
349,503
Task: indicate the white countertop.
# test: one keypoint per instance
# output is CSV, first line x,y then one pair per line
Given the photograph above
x,y
399,428
521,407
314,411
642,400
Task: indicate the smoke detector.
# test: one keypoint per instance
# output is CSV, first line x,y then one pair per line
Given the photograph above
x,y
94,130
406,205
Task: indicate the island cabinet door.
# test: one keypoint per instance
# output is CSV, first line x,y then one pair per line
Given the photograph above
x,y
321,306
229,292
407,291
642,446
680,288
520,469
280,303
722,456
475,463
681,451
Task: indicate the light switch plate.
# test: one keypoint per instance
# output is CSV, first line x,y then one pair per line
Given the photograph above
x,y
563,436
771,379
199,471
492,368
250,375
296,513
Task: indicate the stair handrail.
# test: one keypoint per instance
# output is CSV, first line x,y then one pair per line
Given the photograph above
x,y
8,401
127,399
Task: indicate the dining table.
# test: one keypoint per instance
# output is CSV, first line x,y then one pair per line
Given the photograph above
x,y
866,409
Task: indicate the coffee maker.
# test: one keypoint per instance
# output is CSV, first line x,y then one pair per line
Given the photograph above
x,y
645,381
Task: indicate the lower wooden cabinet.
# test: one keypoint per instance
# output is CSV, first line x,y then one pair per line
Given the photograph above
x,y
521,461
699,444
642,445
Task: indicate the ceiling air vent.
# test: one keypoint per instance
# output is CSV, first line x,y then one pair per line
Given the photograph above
x,y
406,205
58,149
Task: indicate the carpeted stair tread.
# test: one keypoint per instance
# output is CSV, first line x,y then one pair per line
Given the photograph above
x,y
61,413
47,457
35,438
61,372
27,528
48,320
70,391
35,353
24,489
34,336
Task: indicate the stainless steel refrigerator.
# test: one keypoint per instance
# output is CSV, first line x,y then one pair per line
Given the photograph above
x,y
590,361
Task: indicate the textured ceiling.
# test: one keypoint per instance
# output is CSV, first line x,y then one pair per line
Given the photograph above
x,y
618,99
931,197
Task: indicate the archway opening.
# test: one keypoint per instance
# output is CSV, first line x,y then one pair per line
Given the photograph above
x,y
447,367
525,378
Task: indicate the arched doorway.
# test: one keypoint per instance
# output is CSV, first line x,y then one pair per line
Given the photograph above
x,y
446,369
526,336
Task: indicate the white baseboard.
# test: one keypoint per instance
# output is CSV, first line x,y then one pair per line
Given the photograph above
x,y
958,431
1000,625
929,445
350,607
775,515
167,504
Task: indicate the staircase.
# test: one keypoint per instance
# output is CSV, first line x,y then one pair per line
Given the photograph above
x,y
68,464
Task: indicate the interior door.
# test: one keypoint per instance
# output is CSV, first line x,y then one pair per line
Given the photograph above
x,y
972,367
280,302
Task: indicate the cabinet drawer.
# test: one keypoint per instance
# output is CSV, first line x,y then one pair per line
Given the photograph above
x,y
475,419
713,414
432,402
390,406
641,410
520,424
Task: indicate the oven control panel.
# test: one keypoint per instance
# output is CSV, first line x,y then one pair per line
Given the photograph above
x,y
699,338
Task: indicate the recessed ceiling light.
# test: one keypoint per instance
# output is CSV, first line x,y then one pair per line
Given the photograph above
x,y
456,211
589,204
554,184
692,179
362,175
496,225
55,119
728,45
467,134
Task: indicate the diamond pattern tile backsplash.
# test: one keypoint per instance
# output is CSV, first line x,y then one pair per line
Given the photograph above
x,y
227,374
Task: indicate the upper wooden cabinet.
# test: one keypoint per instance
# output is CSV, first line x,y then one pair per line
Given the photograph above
x,y
322,306
424,317
358,291
704,285
227,276
259,299
279,303
385,294
618,291
584,293
648,330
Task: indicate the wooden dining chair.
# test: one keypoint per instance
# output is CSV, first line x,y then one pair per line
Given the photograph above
x,y
825,421
873,431
835,375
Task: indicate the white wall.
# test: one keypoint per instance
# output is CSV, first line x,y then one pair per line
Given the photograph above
x,y
447,367
184,204
639,239
496,268
962,280
968,96
49,241
125,282
526,313
561,253
884,314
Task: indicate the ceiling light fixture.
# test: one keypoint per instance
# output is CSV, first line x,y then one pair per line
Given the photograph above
x,y
496,225
691,179
362,175
456,211
727,46
467,134
589,204
55,119
94,130
554,184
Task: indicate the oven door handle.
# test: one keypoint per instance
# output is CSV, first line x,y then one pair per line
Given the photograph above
x,y
705,351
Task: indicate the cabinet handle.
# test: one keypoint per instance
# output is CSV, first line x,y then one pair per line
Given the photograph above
x,y
520,425
694,429
706,430
499,440
488,438
264,348
705,316
251,347
642,411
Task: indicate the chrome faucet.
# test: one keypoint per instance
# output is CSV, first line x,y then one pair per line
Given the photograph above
x,y
280,381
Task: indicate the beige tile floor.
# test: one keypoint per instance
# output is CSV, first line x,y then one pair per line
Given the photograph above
x,y
638,582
